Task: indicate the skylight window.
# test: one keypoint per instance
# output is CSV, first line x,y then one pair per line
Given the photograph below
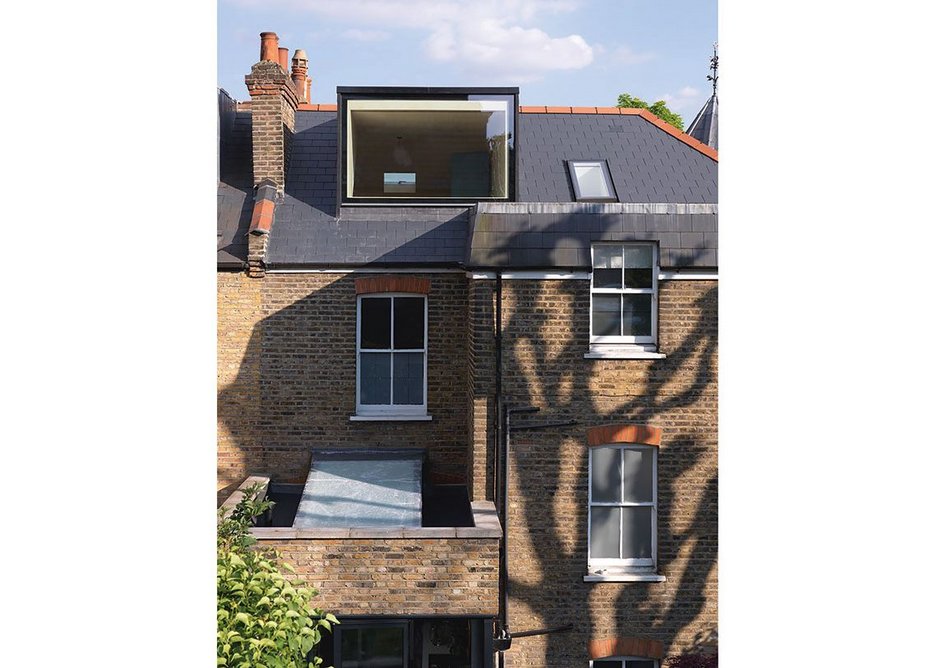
x,y
362,488
591,181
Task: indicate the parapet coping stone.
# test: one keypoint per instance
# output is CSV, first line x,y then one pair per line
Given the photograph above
x,y
229,505
597,207
483,514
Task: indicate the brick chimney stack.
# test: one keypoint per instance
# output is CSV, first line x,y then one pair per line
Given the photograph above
x,y
298,74
273,107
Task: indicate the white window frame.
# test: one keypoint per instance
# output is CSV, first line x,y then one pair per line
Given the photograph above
x,y
623,565
389,410
623,659
646,342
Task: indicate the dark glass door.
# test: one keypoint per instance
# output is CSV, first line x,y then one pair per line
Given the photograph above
x,y
373,646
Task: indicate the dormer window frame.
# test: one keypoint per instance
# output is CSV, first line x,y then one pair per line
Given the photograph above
x,y
345,94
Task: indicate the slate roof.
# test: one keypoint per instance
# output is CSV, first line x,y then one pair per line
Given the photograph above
x,y
648,166
235,191
704,126
538,236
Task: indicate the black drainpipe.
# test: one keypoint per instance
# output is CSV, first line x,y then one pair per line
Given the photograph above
x,y
498,380
502,640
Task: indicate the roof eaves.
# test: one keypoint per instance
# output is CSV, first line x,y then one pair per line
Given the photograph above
x,y
306,106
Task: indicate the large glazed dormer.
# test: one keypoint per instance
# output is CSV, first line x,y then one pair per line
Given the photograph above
x,y
426,144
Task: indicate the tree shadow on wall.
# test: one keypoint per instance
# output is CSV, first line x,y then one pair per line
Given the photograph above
x,y
294,388
539,372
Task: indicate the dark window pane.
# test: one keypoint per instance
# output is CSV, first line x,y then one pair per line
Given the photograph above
x,y
638,471
376,322
408,322
606,315
636,532
638,266
606,474
408,378
373,647
607,664
640,663
448,642
637,278
375,380
604,532
607,278
636,315
607,266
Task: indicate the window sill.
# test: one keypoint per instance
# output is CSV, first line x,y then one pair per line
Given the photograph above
x,y
612,352
623,577
390,418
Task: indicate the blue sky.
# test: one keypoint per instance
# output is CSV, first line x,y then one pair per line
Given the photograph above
x,y
559,52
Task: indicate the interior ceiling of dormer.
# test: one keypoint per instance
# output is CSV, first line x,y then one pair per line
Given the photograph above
x,y
383,124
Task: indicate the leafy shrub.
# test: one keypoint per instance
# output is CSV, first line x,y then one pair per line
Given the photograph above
x,y
264,619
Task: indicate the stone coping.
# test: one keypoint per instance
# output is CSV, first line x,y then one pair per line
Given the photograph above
x,y
238,494
483,515
484,518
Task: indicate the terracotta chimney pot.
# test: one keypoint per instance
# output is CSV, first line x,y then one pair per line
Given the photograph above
x,y
298,75
283,57
269,45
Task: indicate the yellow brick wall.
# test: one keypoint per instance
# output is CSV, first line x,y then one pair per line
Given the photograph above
x,y
438,576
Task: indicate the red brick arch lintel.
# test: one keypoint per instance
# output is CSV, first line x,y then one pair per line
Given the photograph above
x,y
373,284
624,433
643,647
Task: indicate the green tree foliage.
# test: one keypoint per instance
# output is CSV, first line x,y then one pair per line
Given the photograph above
x,y
264,619
659,109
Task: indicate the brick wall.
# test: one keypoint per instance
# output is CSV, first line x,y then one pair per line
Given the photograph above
x,y
480,388
546,333
439,576
299,365
238,369
288,341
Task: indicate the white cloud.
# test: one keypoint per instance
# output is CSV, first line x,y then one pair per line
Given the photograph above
x,y
485,37
509,52
687,98
366,35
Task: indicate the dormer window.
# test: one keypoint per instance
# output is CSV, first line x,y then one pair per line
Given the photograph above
x,y
591,181
426,147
